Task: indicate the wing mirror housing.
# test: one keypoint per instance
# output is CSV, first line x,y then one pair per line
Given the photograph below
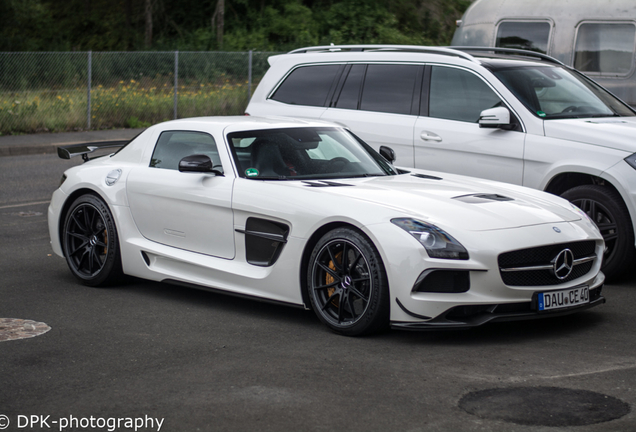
x,y
200,164
387,153
495,118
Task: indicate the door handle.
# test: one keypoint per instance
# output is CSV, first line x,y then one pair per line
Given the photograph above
x,y
430,136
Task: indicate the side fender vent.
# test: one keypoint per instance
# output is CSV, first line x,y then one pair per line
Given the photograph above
x,y
264,241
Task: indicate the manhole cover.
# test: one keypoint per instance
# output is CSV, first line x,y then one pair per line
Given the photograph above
x,y
13,328
544,406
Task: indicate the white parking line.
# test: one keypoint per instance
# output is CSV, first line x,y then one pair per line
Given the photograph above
x,y
25,204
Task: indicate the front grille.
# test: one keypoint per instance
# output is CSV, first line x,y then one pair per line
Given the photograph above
x,y
543,256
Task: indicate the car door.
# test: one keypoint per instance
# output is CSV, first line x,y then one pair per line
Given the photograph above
x,y
186,210
379,103
447,136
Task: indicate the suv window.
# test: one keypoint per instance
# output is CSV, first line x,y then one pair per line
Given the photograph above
x,y
604,48
457,94
309,85
557,92
531,36
389,88
172,146
350,93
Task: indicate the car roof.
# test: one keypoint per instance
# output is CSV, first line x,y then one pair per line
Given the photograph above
x,y
415,53
239,123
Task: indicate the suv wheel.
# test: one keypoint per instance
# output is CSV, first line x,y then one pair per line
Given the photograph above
x,y
606,208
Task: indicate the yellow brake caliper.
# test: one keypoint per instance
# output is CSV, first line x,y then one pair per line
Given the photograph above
x,y
330,279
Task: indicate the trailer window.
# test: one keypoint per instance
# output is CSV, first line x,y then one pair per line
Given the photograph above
x,y
607,49
531,36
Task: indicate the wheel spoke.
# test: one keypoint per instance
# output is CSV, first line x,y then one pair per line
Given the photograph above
x,y
331,285
610,237
80,266
77,222
87,222
355,261
333,259
340,311
79,248
607,226
345,259
78,236
330,299
355,291
95,258
330,271
352,311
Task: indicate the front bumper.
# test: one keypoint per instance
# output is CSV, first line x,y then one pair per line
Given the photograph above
x,y
464,317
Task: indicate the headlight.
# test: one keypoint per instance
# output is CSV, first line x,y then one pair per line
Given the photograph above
x,y
62,180
631,160
437,242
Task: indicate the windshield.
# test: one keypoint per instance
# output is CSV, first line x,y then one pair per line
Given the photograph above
x,y
554,92
304,154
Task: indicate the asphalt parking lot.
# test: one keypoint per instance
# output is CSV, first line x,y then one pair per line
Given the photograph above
x,y
174,359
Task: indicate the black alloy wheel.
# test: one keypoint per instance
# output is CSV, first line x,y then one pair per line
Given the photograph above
x,y
90,242
347,283
608,211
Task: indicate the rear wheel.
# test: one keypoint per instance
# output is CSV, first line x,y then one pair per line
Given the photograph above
x,y
606,208
347,283
90,241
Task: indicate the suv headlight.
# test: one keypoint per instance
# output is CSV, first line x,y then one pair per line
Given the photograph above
x,y
437,242
631,160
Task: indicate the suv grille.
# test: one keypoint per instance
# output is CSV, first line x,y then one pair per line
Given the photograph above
x,y
535,266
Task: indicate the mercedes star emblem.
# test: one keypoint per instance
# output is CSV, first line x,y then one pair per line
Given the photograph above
x,y
563,263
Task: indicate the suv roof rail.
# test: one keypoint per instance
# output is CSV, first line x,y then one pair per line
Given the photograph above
x,y
520,52
401,48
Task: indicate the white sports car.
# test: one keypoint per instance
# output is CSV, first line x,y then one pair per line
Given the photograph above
x,y
305,213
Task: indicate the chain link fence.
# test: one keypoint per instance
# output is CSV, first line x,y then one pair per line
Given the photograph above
x,y
65,91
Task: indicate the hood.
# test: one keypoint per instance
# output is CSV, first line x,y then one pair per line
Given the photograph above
x,y
612,132
449,200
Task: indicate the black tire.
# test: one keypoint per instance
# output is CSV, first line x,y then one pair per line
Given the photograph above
x,y
90,242
607,209
345,269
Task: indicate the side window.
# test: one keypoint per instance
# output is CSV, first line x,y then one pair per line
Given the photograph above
x,y
531,36
457,94
308,85
350,93
604,48
389,88
172,146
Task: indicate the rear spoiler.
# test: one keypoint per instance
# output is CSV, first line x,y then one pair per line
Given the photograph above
x,y
67,152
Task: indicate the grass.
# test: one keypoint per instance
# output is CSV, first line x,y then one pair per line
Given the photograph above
x,y
119,105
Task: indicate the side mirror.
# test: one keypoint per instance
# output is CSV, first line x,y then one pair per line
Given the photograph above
x,y
387,153
494,117
198,163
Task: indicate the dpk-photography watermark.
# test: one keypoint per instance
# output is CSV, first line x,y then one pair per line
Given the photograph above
x,y
110,424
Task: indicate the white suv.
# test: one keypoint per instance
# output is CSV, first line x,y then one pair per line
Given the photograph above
x,y
503,114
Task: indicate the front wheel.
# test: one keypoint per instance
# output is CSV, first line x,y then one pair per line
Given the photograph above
x,y
91,245
608,211
347,283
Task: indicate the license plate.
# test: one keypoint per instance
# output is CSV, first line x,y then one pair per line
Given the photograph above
x,y
563,299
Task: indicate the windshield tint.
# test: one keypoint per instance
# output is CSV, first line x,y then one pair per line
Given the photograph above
x,y
304,154
555,92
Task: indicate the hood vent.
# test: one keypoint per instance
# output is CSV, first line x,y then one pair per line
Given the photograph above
x,y
481,198
425,176
324,183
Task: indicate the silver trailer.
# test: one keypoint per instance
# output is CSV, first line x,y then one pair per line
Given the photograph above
x,y
596,37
